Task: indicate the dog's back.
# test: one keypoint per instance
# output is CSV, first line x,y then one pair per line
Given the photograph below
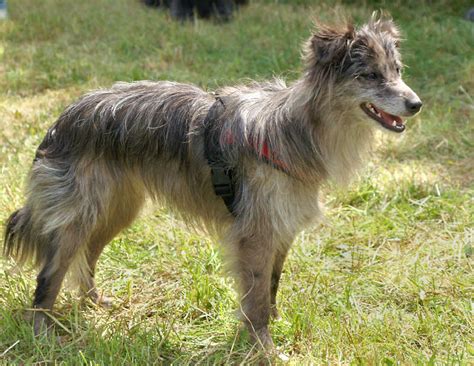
x,y
129,122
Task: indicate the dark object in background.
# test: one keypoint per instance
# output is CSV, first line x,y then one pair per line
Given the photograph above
x,y
184,9
469,15
157,2
3,9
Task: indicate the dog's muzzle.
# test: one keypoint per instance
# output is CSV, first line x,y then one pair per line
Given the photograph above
x,y
385,119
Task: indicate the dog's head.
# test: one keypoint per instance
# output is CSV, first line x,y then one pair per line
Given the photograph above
x,y
364,65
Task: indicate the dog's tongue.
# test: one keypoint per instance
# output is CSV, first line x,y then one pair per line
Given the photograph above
x,y
389,118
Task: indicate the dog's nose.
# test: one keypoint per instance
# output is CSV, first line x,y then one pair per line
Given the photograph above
x,y
413,105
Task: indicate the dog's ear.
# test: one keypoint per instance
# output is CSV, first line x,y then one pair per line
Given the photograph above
x,y
382,22
330,45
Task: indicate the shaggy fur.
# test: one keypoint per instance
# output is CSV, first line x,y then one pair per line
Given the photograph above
x,y
114,147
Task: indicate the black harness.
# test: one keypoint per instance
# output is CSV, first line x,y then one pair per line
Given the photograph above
x,y
222,174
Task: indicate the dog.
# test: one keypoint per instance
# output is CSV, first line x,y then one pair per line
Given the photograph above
x,y
271,146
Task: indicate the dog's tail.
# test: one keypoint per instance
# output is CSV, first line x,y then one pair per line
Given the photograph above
x,y
20,241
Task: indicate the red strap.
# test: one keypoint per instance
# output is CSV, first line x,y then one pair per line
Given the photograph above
x,y
269,155
272,157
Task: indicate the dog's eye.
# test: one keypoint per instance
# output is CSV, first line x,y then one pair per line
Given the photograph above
x,y
399,71
370,76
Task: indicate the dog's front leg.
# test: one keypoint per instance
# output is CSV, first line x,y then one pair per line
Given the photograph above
x,y
280,256
255,263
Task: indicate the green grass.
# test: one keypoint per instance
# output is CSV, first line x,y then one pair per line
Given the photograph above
x,y
387,278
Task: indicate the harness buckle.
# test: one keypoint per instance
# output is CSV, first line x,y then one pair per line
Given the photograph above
x,y
222,181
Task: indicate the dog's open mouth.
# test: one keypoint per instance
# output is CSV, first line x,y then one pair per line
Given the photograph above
x,y
387,120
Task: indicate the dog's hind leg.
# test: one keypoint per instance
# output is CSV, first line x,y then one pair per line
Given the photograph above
x,y
122,212
61,253
254,268
87,284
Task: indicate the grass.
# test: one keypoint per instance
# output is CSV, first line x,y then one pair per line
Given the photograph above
x,y
387,278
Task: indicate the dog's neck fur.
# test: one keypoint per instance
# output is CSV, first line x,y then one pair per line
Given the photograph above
x,y
339,133
313,128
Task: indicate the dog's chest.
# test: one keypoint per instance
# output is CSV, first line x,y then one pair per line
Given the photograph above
x,y
289,204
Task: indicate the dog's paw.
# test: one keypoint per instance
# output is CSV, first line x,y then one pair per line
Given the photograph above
x,y
274,313
42,324
261,337
104,301
100,299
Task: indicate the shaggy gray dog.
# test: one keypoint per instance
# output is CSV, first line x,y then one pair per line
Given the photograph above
x,y
112,148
